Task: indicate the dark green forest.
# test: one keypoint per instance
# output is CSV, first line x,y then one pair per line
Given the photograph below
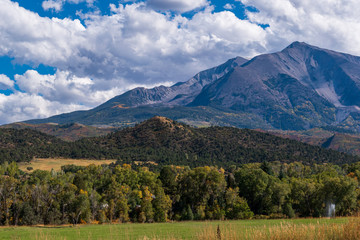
x,y
118,193
165,142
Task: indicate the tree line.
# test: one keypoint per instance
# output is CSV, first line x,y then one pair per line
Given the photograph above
x,y
122,193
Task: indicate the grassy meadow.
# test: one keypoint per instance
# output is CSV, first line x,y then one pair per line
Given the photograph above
x,y
338,228
55,163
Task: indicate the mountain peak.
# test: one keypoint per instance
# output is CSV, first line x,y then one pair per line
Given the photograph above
x,y
301,47
298,44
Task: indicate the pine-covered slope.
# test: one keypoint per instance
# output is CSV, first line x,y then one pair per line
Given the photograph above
x,y
162,141
22,145
165,141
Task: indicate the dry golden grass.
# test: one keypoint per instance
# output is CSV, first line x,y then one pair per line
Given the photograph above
x,y
56,163
288,231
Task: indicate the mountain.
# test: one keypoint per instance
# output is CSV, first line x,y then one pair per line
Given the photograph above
x,y
161,141
181,93
140,104
299,88
67,132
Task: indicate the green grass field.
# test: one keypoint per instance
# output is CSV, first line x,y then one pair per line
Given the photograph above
x,y
178,230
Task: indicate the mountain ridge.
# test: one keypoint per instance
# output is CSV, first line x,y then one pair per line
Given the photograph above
x,y
298,88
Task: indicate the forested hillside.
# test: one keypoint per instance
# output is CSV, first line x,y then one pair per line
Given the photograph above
x,y
24,144
67,132
160,141
165,141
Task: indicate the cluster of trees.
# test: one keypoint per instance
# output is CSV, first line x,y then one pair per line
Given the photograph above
x,y
120,193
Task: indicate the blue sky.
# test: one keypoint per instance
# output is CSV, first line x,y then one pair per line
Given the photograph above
x,y
64,55
70,9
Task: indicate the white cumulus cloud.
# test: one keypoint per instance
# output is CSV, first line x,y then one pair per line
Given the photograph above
x,y
229,6
5,82
177,5
124,45
29,38
57,5
326,23
22,106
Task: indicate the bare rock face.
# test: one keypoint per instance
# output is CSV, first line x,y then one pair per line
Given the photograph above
x,y
298,88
